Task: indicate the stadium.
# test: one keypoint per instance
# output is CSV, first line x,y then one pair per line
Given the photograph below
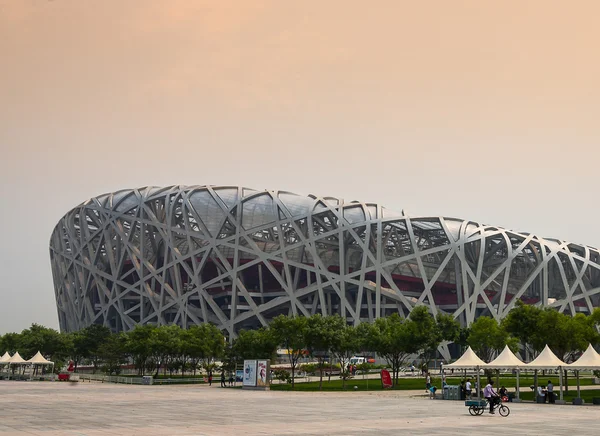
x,y
237,257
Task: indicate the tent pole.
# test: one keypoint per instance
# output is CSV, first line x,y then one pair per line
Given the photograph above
x,y
518,373
578,386
560,381
478,384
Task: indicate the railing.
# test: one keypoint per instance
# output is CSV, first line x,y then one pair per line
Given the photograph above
x,y
110,379
137,380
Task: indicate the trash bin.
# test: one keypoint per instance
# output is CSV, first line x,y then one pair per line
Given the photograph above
x,y
446,392
147,380
454,393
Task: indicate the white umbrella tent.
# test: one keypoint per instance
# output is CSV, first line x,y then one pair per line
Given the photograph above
x,y
590,359
16,359
4,359
469,360
508,360
548,360
38,359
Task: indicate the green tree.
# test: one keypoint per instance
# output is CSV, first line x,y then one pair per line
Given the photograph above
x,y
213,345
112,353
138,345
394,339
87,342
319,337
290,333
255,344
426,334
52,344
165,347
346,342
10,342
522,323
487,337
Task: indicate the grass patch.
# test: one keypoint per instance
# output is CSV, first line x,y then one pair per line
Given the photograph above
x,y
587,395
418,383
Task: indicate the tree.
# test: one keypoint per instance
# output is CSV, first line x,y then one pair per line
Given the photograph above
x,y
138,345
10,342
522,323
52,344
393,338
426,335
320,334
255,344
86,343
595,317
165,346
487,337
346,342
290,333
112,353
213,345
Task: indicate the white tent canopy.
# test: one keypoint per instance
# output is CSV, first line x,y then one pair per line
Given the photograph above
x,y
546,360
5,359
16,359
506,360
588,360
38,359
469,360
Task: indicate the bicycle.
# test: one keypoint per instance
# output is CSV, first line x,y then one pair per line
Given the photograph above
x,y
477,407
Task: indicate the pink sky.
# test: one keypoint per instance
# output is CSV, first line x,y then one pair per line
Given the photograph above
x,y
480,110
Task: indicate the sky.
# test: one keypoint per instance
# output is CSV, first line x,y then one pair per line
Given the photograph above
x,y
486,111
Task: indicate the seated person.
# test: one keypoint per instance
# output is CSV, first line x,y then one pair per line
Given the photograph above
x,y
541,392
503,393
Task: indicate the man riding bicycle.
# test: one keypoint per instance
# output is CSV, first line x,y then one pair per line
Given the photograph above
x,y
490,395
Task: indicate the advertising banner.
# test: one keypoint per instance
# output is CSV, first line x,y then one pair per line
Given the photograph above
x,y
262,373
249,373
386,379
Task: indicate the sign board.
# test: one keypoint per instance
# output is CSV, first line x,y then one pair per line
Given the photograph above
x,y
262,373
249,373
239,375
386,379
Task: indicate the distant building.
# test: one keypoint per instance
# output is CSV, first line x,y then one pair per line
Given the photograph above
x,y
237,257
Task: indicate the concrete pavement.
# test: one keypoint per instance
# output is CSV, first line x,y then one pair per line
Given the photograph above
x,y
93,409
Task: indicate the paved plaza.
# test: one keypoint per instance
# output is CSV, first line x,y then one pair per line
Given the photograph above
x,y
95,409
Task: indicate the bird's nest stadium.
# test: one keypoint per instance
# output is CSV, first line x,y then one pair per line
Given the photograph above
x,y
237,257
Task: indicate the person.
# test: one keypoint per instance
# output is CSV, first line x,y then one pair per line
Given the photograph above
x,y
541,393
412,370
427,382
223,385
230,379
210,378
463,391
468,389
550,392
490,395
432,390
503,393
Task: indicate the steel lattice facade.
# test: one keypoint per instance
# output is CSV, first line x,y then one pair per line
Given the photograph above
x,y
237,257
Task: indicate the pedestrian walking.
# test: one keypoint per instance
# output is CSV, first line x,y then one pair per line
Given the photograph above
x,y
223,385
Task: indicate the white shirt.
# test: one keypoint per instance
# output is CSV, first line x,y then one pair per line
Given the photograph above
x,y
468,387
